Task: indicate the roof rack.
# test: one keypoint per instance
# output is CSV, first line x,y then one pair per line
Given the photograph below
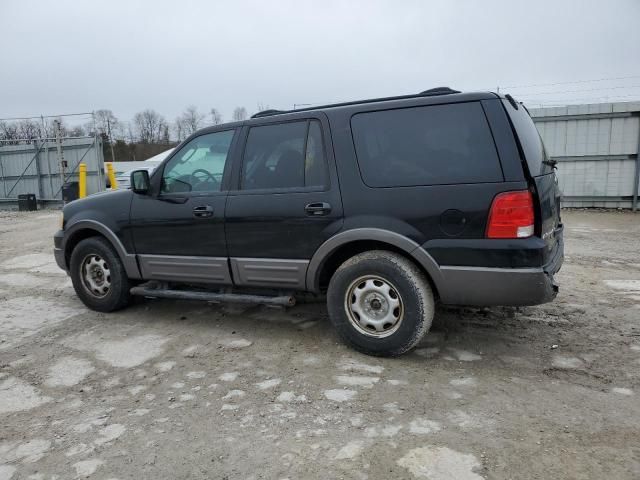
x,y
266,113
426,93
439,91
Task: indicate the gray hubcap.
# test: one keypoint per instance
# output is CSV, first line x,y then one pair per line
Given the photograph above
x,y
96,276
374,306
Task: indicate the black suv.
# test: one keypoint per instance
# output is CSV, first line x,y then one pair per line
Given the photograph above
x,y
386,205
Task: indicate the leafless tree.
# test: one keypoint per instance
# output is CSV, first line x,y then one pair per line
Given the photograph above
x,y
188,122
119,131
105,123
28,129
8,131
239,114
216,116
77,131
149,126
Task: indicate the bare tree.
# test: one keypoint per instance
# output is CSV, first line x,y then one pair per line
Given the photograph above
x,y
177,127
216,116
239,114
188,122
119,131
149,126
263,106
105,123
8,131
28,129
77,131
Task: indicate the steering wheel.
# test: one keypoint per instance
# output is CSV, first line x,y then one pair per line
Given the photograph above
x,y
197,175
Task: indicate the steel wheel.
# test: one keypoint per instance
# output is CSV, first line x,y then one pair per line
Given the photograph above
x,y
374,306
96,276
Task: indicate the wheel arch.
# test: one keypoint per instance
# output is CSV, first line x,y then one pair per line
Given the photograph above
x,y
332,253
91,228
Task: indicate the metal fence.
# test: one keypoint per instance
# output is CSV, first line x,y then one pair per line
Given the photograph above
x,y
596,147
35,167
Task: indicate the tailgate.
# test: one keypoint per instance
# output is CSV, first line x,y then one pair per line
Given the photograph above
x,y
548,212
542,173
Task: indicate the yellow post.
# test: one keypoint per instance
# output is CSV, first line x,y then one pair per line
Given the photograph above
x,y
112,176
82,180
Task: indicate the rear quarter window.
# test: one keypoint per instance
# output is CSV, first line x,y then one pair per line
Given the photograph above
x,y
430,145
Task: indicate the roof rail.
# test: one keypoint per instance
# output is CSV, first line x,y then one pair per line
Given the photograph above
x,y
439,91
426,93
266,113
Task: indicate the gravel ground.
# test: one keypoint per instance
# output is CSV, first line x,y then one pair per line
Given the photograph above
x,y
168,389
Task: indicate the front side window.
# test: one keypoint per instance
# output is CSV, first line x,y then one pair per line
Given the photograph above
x,y
199,165
286,155
431,145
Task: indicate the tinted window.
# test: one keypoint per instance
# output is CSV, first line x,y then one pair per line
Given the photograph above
x,y
286,155
199,165
315,165
530,140
440,144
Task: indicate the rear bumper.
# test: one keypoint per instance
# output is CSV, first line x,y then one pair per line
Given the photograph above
x,y
485,286
481,286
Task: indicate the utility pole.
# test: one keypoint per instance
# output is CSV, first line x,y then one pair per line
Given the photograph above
x,y
113,155
61,160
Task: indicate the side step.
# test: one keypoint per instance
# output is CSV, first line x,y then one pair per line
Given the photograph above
x,y
147,291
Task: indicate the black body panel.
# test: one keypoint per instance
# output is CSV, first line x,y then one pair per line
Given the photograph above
x,y
275,237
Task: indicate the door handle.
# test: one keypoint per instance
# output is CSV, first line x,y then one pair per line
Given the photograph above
x,y
202,211
318,208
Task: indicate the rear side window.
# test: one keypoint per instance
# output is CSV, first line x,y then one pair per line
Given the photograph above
x,y
433,145
285,155
530,141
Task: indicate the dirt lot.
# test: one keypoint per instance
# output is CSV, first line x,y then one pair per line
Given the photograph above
x,y
177,390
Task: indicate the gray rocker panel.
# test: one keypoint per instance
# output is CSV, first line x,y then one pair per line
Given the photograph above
x,y
185,269
269,272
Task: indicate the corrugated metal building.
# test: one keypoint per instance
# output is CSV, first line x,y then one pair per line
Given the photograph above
x,y
596,146
34,167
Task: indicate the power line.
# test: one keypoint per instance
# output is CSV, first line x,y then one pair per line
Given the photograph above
x,y
554,92
48,116
571,83
553,102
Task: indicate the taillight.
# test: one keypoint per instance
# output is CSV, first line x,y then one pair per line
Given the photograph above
x,y
511,215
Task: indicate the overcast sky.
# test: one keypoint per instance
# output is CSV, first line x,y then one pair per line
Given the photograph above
x,y
63,56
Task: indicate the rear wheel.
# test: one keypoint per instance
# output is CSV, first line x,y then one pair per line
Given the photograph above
x,y
380,303
98,276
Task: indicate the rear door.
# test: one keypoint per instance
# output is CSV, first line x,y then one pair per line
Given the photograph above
x,y
285,204
542,172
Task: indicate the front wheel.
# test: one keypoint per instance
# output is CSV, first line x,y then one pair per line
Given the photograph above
x,y
380,303
98,275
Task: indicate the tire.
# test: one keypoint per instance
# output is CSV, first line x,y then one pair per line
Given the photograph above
x,y
380,303
105,293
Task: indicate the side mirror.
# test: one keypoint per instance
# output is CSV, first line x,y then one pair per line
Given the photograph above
x,y
140,181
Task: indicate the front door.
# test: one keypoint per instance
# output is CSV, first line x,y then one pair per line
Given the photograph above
x,y
285,204
178,230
